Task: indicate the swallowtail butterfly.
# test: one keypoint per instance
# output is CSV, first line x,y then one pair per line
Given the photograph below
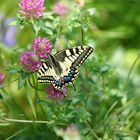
x,y
63,67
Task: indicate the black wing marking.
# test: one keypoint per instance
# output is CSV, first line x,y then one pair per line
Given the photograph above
x,y
71,54
45,73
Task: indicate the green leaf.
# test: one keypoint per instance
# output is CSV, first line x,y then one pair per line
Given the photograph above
x,y
22,79
4,124
91,11
13,70
13,23
30,100
36,28
51,122
48,15
105,68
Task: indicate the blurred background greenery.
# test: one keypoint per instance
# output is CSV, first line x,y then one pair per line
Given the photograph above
x,y
106,104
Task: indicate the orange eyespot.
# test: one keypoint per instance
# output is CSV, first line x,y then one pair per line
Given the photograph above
x,y
80,2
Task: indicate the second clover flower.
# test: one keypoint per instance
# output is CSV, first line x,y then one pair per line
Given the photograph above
x,y
61,9
42,47
55,94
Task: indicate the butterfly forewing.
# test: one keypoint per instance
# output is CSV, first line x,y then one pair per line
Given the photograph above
x,y
45,73
73,58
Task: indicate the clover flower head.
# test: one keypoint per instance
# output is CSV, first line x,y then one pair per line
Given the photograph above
x,y
71,132
32,8
42,47
30,61
55,94
61,9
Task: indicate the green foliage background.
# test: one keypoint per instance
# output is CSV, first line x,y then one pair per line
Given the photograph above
x,y
106,104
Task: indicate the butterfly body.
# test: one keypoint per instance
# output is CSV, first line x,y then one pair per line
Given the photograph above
x,y
63,67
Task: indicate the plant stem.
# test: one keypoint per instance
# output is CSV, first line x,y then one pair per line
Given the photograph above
x,y
132,67
82,36
92,131
15,134
61,27
24,121
58,35
37,97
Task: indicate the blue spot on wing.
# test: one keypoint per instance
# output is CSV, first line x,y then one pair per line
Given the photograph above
x,y
66,79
